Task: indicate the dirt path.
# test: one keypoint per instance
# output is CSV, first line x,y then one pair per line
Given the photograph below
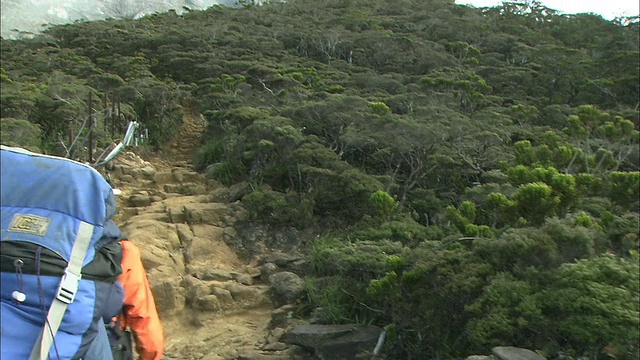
x,y
213,305
182,149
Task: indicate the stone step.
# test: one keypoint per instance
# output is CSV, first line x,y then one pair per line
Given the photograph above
x,y
128,172
162,217
184,175
196,214
178,175
186,188
128,180
144,198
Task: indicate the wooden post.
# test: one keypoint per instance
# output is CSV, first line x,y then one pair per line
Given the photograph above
x,y
113,121
114,117
119,113
106,115
90,127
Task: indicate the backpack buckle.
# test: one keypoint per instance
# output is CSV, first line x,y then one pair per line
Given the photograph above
x,y
68,287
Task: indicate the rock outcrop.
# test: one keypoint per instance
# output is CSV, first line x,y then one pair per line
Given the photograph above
x,y
508,353
514,353
335,342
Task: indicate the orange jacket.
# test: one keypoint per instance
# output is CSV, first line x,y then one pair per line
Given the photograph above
x,y
139,311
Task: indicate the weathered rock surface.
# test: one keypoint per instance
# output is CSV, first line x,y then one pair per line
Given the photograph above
x,y
286,288
514,353
479,357
334,342
206,295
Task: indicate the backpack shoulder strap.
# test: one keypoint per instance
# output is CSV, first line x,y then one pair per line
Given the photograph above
x,y
66,293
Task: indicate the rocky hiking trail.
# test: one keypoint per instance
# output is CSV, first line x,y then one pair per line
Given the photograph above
x,y
214,305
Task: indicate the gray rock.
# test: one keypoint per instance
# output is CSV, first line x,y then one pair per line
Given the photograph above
x,y
514,353
243,292
268,269
275,346
148,172
286,288
334,341
127,178
212,274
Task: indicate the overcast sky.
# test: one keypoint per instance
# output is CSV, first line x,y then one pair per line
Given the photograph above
x,y
609,9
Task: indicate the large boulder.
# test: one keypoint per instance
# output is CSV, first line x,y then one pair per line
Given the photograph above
x,y
335,342
286,288
514,353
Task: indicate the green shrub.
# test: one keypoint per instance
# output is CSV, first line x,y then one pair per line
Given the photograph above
x,y
20,133
361,260
227,172
383,203
507,312
593,303
338,300
279,209
209,154
623,232
379,108
402,229
536,201
335,89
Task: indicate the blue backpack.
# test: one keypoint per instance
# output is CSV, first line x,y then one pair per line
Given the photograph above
x,y
60,255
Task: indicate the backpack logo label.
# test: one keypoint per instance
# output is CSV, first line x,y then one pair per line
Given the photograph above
x,y
30,224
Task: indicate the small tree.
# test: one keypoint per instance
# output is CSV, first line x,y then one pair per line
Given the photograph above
x,y
384,204
379,108
536,201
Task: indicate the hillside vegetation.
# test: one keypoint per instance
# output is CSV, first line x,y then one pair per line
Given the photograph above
x,y
470,176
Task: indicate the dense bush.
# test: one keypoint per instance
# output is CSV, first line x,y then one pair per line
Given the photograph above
x,y
521,288
22,133
278,209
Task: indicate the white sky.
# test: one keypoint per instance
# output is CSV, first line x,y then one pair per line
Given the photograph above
x,y
609,9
